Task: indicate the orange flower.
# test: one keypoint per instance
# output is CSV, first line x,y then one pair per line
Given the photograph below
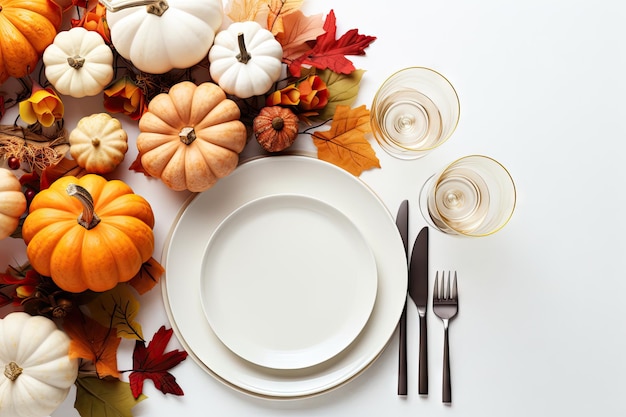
x,y
313,93
309,94
288,96
95,20
43,106
125,97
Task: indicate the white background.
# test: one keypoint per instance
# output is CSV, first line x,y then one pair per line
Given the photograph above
x,y
540,329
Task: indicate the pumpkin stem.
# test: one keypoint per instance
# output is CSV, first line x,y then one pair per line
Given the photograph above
x,y
88,218
158,7
243,56
76,61
278,123
12,371
187,135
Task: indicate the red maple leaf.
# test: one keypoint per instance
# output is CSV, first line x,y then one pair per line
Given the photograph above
x,y
329,53
151,363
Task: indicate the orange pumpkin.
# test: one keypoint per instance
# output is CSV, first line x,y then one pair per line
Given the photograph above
x,y
27,27
88,233
191,136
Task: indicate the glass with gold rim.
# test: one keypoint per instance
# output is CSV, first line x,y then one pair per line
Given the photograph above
x,y
414,111
473,196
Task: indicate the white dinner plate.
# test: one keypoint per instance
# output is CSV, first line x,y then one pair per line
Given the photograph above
x,y
288,281
184,251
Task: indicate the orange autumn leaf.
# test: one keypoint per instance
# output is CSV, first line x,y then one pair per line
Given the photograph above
x,y
92,341
344,144
147,277
298,30
277,10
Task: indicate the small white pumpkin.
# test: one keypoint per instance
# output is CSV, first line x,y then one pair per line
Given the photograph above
x,y
165,34
245,59
98,143
12,202
37,370
78,63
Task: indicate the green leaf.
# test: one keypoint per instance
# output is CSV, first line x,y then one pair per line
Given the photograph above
x,y
343,90
117,308
104,398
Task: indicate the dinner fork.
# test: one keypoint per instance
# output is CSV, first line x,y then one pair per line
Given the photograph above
x,y
445,306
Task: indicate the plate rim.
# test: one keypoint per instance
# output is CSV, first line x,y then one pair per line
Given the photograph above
x,y
400,287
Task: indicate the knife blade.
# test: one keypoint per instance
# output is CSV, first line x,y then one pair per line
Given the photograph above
x,y
418,291
402,222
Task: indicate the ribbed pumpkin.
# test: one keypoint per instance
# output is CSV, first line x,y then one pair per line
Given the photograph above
x,y
88,233
27,27
191,136
38,372
12,202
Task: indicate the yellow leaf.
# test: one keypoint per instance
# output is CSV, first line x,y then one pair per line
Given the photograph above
x,y
244,10
97,397
278,9
117,308
344,144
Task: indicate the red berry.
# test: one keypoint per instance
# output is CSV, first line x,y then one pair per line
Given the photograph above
x,y
29,193
13,162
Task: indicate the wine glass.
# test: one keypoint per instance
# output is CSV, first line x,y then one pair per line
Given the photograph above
x,y
473,196
415,110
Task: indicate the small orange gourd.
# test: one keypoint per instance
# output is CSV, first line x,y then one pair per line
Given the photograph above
x,y
191,136
88,233
27,27
275,128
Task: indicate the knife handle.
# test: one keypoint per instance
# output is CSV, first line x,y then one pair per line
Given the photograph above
x,y
402,366
423,357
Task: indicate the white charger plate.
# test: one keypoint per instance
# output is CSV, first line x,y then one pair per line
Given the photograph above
x,y
184,251
287,281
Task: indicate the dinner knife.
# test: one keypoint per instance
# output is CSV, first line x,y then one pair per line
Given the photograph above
x,y
402,222
418,291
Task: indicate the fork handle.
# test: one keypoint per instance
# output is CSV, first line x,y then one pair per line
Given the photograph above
x,y
447,386
423,357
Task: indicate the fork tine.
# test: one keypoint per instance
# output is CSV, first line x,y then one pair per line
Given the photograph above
x,y
455,292
436,287
448,296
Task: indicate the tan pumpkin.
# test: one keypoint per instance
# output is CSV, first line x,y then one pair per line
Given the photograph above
x,y
191,136
12,202
98,143
27,27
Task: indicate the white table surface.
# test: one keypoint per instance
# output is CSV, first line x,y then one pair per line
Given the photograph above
x,y
540,329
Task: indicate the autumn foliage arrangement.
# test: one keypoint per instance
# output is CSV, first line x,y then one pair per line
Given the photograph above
x,y
270,72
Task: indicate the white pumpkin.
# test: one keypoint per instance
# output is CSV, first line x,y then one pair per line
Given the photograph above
x,y
37,370
165,34
12,202
98,143
78,63
245,59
